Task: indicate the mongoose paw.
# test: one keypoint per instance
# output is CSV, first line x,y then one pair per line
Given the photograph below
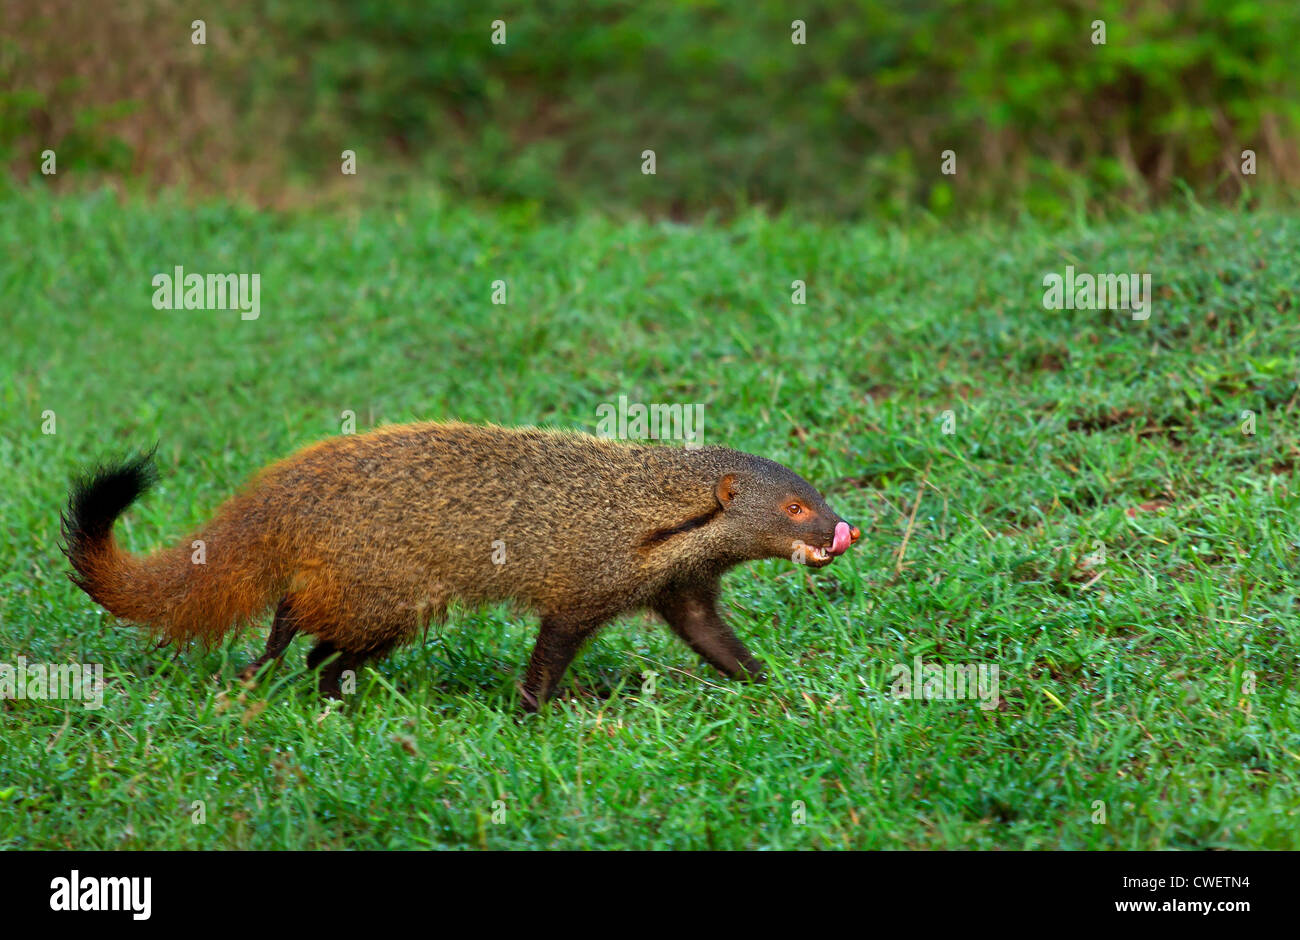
x,y
529,699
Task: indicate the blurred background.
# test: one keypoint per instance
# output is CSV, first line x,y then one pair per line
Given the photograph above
x,y
851,124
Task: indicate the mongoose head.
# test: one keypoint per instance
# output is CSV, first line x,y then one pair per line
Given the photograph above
x,y
778,514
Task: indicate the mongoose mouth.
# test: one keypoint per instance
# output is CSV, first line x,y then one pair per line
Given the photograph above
x,y
822,555
816,557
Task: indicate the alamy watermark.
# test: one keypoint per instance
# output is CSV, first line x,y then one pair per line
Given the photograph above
x,y
951,682
181,291
49,681
79,892
657,422
1072,291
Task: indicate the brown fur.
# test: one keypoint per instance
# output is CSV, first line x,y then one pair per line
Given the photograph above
x,y
364,539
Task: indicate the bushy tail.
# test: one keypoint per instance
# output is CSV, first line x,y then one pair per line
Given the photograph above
x,y
182,593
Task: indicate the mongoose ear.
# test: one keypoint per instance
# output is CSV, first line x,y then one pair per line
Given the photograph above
x,y
726,489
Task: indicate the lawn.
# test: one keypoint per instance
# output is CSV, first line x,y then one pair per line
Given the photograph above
x,y
1073,496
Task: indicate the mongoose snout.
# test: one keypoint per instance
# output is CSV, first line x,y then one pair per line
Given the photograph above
x,y
841,538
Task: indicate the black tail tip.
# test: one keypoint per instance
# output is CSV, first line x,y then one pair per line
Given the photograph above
x,y
99,496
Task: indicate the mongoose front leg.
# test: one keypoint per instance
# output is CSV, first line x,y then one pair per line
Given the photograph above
x,y
692,613
283,631
558,641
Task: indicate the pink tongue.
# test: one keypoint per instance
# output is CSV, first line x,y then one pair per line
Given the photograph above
x,y
842,538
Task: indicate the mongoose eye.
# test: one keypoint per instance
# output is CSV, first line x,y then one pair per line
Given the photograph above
x,y
795,510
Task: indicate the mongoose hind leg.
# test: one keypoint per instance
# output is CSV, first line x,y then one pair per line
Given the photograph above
x,y
283,630
331,675
350,645
692,613
558,641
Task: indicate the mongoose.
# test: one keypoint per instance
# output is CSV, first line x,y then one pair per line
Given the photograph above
x,y
362,540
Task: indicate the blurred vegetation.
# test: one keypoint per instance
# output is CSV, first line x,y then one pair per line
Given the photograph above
x,y
852,123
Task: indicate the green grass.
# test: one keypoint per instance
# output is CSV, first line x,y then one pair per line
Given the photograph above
x,y
1127,680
